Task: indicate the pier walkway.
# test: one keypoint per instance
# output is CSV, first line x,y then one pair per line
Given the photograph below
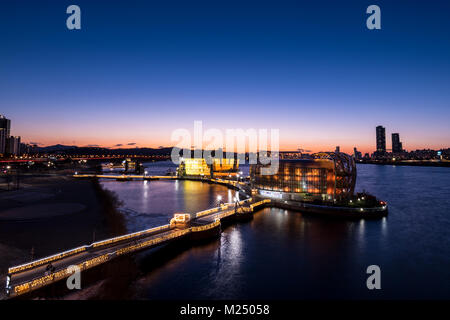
x,y
34,275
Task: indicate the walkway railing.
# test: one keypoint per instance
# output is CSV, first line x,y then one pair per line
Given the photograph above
x,y
138,242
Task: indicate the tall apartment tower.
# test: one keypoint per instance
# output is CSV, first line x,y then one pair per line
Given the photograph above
x,y
13,146
2,141
381,139
396,144
5,130
357,154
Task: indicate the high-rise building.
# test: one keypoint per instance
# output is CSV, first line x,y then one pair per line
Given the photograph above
x,y
338,149
5,124
357,154
381,139
2,141
396,144
5,129
13,146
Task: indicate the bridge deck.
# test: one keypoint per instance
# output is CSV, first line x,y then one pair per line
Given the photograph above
x,y
78,258
32,276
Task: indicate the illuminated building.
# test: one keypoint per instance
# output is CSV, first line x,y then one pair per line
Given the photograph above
x,y
198,167
13,146
326,177
396,144
5,127
223,166
194,167
2,141
381,139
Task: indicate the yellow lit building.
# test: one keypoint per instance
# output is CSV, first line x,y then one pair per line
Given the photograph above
x,y
198,167
194,167
224,167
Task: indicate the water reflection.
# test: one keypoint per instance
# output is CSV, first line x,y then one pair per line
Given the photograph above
x,y
282,254
147,204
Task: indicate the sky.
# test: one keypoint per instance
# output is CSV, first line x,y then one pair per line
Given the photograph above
x,y
138,70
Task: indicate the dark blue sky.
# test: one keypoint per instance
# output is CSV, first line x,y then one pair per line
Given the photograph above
x,y
140,69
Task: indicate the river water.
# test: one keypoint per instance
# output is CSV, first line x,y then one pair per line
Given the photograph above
x,y
283,254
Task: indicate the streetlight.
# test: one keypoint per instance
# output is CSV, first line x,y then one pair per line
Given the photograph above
x,y
219,200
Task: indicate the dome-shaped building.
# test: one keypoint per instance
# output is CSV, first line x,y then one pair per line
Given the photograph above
x,y
326,176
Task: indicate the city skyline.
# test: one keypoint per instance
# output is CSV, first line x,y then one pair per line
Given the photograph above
x,y
289,68
380,146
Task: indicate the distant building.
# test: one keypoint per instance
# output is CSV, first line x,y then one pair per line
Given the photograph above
x,y
327,177
5,130
5,124
2,141
357,154
338,149
224,167
194,167
381,139
396,144
199,167
13,146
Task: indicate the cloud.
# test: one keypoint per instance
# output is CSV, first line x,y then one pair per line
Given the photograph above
x,y
93,145
131,144
36,143
118,145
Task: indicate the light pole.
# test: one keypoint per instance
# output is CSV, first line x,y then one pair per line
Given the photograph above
x,y
236,202
219,200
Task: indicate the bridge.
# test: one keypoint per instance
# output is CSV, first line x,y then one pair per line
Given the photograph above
x,y
239,185
36,274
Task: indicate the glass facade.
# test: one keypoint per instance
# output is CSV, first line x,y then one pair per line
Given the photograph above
x,y
298,179
225,165
200,167
194,167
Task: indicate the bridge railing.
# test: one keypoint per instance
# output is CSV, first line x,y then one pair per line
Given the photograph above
x,y
71,252
130,236
60,274
40,281
151,242
222,207
45,260
259,203
206,227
